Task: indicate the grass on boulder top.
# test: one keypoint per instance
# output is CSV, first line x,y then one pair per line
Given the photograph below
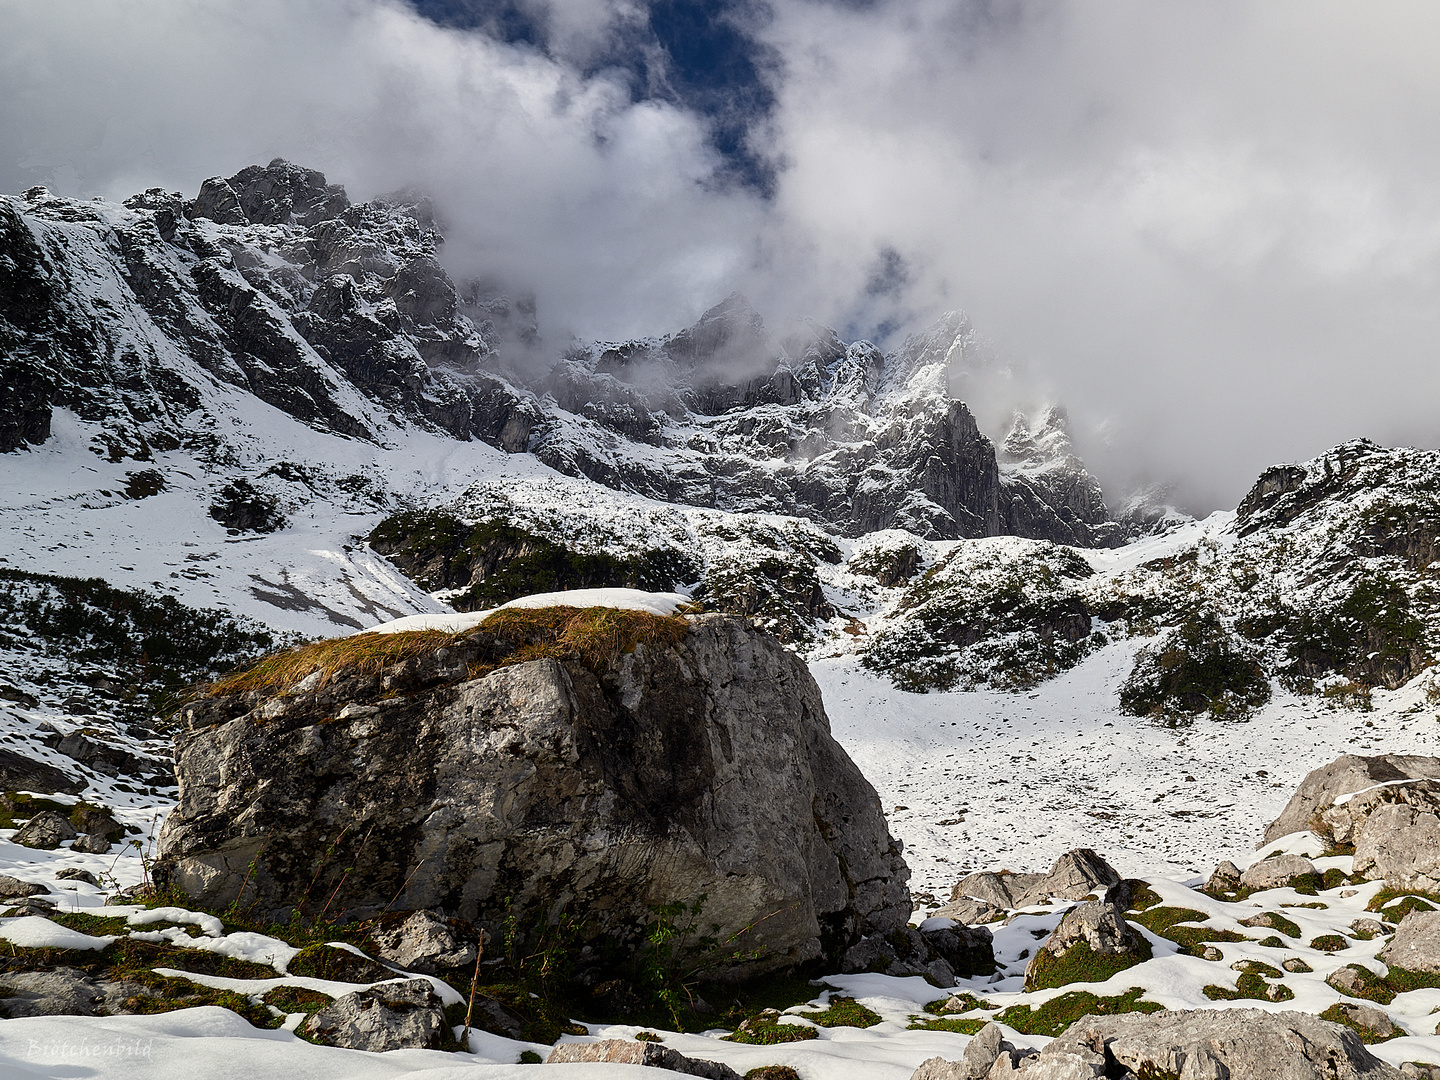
x,y
958,1002
844,1012
1273,920
1329,943
594,636
1057,1014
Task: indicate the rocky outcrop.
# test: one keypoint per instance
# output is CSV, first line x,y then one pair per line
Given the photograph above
x,y
628,1052
1199,1044
1075,875
406,1015
1275,873
1094,930
1416,944
1346,775
423,943
701,772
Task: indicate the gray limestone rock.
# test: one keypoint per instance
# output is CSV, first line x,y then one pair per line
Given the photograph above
x,y
1222,1044
90,844
74,873
391,1016
674,771
1416,944
628,1052
969,912
1399,837
63,992
45,830
1345,775
21,773
1075,875
1275,873
423,943
1225,877
1371,1018
14,887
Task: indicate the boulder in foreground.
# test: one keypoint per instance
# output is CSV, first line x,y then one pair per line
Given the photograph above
x,y
1199,1044
636,761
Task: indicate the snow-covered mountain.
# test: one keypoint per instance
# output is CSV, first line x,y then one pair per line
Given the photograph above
x,y
155,320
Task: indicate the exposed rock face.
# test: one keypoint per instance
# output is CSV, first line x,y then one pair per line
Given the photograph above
x,y
703,768
45,830
1274,873
1345,775
1416,944
391,1016
423,943
13,887
271,282
628,1052
1075,875
1207,1044
20,773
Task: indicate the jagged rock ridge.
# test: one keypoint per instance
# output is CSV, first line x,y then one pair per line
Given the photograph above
x,y
158,318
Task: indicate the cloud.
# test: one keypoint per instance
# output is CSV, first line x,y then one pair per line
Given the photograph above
x,y
1210,227
545,177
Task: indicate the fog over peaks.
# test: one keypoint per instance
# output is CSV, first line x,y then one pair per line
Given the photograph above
x,y
1210,229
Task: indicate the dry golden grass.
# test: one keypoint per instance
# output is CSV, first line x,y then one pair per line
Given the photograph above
x,y
594,636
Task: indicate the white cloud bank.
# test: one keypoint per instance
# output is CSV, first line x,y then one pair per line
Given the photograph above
x,y
1213,227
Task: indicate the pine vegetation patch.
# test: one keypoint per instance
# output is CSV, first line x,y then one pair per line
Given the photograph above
x,y
1198,667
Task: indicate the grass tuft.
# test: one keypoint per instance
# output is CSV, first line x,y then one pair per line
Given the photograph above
x,y
844,1012
594,636
1057,1014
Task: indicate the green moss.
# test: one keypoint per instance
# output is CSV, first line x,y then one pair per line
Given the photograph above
x,y
1409,900
1272,942
766,1029
1370,986
1057,1014
1257,967
963,1002
843,1012
294,999
1329,943
94,925
1402,980
1080,964
1273,920
949,1023
336,965
1143,897
1164,921
1250,986
1336,1015
530,1057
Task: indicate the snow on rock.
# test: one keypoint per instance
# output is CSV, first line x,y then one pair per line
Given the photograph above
x,y
37,932
626,599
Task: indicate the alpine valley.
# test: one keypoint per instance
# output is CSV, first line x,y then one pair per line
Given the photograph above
x,y
832,659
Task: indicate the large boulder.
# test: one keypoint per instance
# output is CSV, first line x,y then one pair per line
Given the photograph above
x,y
1346,775
1075,875
633,1052
404,1015
1199,1044
1416,944
697,769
